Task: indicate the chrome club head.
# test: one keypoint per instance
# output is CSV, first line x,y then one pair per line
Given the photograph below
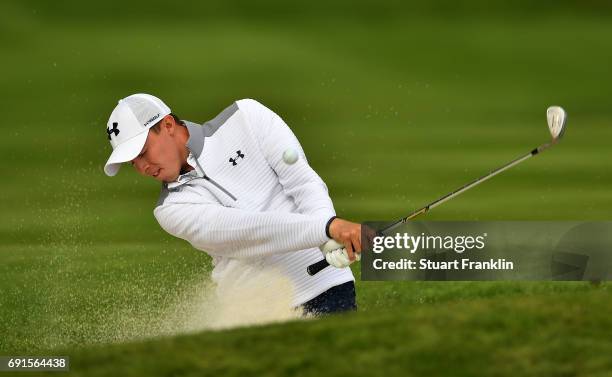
x,y
556,117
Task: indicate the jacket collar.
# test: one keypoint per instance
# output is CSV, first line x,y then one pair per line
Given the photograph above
x,y
195,143
198,133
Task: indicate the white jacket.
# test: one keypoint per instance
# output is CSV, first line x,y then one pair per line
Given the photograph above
x,y
248,209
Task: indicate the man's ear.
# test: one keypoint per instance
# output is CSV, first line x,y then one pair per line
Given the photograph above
x,y
167,123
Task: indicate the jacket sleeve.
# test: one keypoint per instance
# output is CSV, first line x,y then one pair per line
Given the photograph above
x,y
236,233
299,180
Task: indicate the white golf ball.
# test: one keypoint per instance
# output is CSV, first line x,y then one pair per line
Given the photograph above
x,y
290,156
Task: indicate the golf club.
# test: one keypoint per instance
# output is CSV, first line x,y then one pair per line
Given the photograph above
x,y
556,118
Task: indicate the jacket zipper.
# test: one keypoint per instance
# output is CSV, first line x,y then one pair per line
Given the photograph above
x,y
219,187
206,177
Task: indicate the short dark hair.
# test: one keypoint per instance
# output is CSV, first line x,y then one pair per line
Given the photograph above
x,y
157,127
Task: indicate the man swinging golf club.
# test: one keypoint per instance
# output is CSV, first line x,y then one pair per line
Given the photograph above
x,y
227,191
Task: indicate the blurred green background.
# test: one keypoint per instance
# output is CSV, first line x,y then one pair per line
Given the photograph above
x,y
395,103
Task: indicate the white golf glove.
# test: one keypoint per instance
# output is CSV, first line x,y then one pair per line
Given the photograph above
x,y
335,254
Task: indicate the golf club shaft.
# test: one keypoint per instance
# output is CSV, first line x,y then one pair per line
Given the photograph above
x,y
466,187
318,266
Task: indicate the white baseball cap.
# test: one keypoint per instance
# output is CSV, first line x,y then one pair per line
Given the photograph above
x,y
128,127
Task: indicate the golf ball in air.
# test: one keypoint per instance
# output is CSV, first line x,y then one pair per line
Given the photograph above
x,y
290,156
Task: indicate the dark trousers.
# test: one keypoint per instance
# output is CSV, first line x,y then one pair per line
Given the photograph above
x,y
340,298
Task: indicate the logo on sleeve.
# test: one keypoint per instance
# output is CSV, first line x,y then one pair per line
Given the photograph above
x,y
234,160
114,130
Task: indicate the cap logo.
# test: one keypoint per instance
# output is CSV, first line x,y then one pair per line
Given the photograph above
x,y
114,130
151,120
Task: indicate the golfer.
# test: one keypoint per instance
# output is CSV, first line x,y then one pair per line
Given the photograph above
x,y
227,191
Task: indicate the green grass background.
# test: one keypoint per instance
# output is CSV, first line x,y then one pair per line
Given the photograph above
x,y
395,104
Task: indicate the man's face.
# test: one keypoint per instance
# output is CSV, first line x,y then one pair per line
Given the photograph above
x,y
160,157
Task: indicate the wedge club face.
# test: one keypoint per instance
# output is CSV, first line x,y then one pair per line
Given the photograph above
x,y
556,117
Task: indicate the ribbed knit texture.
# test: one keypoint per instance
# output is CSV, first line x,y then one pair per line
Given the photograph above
x,y
278,218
